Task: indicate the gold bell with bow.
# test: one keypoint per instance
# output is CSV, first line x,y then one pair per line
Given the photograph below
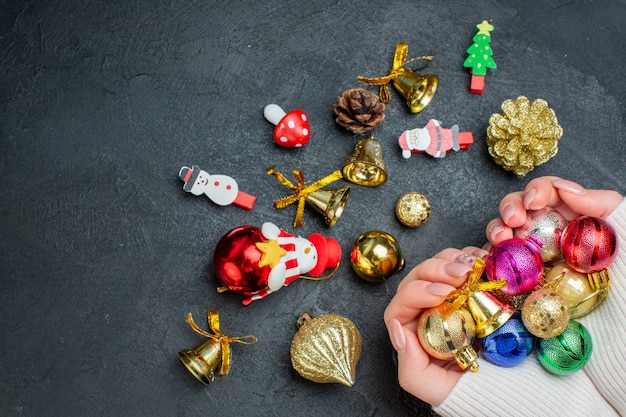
x,y
489,313
418,90
203,360
366,165
328,202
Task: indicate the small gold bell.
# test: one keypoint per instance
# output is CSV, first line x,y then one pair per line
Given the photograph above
x,y
326,349
203,360
366,165
376,256
448,337
418,89
329,203
488,312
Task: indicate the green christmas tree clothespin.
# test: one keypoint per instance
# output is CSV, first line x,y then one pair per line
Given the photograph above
x,y
480,57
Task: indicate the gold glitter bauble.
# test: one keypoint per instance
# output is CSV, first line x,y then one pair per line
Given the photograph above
x,y
545,313
326,349
450,336
525,136
413,209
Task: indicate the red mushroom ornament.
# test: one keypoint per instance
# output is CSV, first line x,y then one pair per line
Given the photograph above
x,y
292,129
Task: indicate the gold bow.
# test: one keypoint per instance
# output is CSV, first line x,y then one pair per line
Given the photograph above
x,y
459,296
300,191
399,61
224,340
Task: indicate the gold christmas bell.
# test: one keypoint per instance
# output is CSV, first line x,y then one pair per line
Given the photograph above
x,y
488,312
366,165
418,90
329,202
203,360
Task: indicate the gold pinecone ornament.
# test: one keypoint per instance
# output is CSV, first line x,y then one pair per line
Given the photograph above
x,y
524,136
359,110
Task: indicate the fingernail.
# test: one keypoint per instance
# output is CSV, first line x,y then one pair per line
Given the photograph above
x,y
439,289
455,269
495,231
529,196
396,335
481,253
567,185
507,212
466,259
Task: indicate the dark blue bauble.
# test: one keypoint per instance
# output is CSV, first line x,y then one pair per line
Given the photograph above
x,y
509,345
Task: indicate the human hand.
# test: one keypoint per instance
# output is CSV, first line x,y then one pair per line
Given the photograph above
x,y
568,198
425,286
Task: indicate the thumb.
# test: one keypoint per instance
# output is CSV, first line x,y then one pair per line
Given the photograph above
x,y
598,203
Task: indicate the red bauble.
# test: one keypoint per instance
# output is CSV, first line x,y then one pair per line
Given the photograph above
x,y
236,260
589,244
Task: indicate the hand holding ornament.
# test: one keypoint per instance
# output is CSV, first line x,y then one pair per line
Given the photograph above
x,y
567,198
426,286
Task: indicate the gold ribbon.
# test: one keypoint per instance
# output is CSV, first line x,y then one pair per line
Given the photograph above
x,y
224,340
459,296
300,191
399,61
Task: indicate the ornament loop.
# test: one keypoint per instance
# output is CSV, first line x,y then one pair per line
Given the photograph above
x,y
301,191
224,340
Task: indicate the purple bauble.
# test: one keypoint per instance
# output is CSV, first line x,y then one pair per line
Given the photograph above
x,y
518,262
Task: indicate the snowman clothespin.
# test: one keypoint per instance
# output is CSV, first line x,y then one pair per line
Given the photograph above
x,y
221,189
434,140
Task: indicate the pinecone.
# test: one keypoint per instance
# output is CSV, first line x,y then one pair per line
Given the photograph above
x,y
359,110
525,136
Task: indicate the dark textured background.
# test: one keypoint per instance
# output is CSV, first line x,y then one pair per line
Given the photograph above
x,y
102,253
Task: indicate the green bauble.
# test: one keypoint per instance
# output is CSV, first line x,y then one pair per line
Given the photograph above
x,y
568,352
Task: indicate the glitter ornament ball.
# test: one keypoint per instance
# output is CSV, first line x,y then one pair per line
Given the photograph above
x,y
509,345
518,262
544,226
582,292
545,313
449,336
567,352
326,349
589,244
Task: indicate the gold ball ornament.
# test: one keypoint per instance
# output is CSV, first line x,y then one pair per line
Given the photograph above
x,y
447,335
376,256
524,136
545,313
326,349
583,292
413,209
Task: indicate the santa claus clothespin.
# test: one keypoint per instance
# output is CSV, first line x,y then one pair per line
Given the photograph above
x,y
434,140
221,189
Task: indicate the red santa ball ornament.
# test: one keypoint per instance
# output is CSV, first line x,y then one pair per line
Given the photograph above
x,y
258,261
